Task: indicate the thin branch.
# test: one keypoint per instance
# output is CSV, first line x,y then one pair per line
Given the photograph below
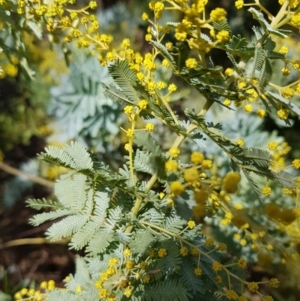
x,y
16,172
31,241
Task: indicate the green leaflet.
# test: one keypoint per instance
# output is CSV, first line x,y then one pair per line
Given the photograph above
x,y
237,43
147,141
46,216
259,58
70,191
84,235
192,282
142,240
172,261
82,274
66,227
153,216
287,104
266,73
99,242
97,265
43,203
174,223
266,26
167,290
115,216
256,157
79,102
85,209
163,50
79,155
63,295
233,60
223,25
121,236
73,156
269,44
55,155
127,81
205,37
141,162
115,94
283,178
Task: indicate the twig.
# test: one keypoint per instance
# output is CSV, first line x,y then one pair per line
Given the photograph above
x,y
14,171
31,241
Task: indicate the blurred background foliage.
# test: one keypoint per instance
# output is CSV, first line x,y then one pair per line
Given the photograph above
x,y
65,101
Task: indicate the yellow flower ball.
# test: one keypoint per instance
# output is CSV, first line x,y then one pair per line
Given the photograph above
x,y
176,188
230,182
200,196
272,210
207,164
197,157
191,175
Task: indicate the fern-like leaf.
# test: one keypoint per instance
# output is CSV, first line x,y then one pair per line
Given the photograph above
x,y
284,178
168,290
99,242
81,238
147,141
71,191
121,236
171,262
288,104
62,295
141,162
66,227
58,156
266,73
253,184
115,215
126,79
257,157
205,37
115,94
43,203
141,241
192,282
259,58
163,50
46,216
73,156
153,216
80,156
174,223
266,26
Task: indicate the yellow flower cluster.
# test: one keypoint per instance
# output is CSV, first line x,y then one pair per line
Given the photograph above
x,y
157,7
231,295
272,145
223,36
283,215
218,14
119,272
283,50
239,4
230,182
217,266
30,295
195,177
266,191
8,66
296,163
191,63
